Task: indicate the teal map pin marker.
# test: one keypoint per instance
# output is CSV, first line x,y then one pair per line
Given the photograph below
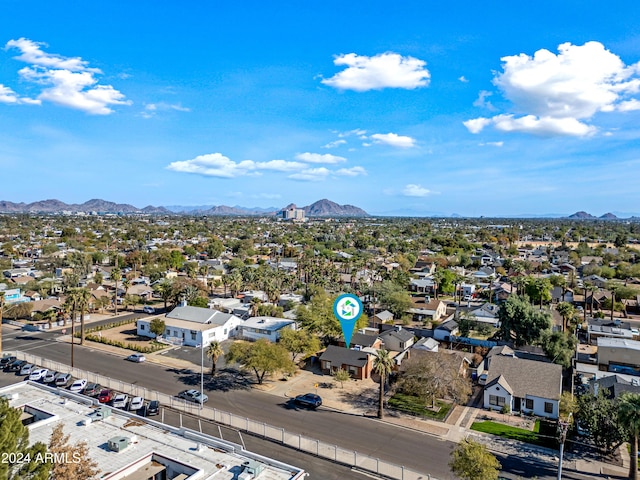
x,y
347,308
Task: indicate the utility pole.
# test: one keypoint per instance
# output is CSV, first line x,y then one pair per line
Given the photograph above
x,y
1,311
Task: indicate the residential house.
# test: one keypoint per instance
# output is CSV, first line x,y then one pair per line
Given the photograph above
x,y
487,313
256,328
619,355
194,326
425,309
614,386
358,363
384,316
525,386
427,344
422,285
398,340
559,294
446,330
596,280
363,340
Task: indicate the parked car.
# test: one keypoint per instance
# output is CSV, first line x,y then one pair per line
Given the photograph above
x,y
62,379
38,374
310,400
26,369
148,309
137,358
136,403
15,366
92,389
120,401
192,395
153,408
78,385
105,396
482,379
50,376
4,361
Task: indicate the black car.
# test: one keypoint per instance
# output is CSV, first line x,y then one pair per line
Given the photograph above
x,y
310,400
4,361
15,366
153,408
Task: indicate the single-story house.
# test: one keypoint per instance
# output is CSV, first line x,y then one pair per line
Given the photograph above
x,y
363,340
525,386
358,363
194,326
600,327
614,386
382,317
444,331
255,328
427,344
619,355
427,309
487,313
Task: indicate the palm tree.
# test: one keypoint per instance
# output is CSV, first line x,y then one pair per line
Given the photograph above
x,y
116,275
214,351
84,296
165,290
629,417
382,365
72,304
567,311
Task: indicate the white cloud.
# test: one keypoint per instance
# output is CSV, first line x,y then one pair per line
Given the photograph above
x,y
351,172
9,96
68,82
320,158
385,70
217,165
481,100
150,109
463,79
413,190
335,143
556,94
629,105
311,174
394,140
492,144
476,125
357,131
280,165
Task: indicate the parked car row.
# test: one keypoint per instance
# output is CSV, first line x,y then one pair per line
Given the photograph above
x,y
82,386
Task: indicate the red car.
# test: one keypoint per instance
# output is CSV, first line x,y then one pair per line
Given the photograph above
x,y
105,396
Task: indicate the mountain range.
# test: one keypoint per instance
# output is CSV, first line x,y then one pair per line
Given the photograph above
x,y
321,208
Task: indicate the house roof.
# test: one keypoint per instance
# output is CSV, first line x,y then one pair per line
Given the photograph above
x,y
384,315
199,315
618,342
500,380
272,324
399,333
527,377
449,326
363,339
345,356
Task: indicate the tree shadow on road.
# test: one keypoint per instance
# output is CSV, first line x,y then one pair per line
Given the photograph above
x,y
225,380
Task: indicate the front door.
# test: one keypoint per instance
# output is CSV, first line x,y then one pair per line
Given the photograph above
x,y
517,404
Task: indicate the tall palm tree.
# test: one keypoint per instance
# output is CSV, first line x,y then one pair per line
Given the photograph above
x,y
214,351
567,311
116,275
84,297
382,365
72,303
165,290
629,417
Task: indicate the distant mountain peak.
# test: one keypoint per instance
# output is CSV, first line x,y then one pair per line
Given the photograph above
x,y
608,216
327,208
581,216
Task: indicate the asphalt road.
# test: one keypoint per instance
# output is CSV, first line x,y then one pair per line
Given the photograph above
x,y
412,449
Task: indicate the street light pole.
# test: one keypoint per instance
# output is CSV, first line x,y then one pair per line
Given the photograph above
x,y
564,426
201,367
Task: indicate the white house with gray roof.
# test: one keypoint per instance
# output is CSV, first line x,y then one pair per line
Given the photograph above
x,y
269,328
526,386
194,326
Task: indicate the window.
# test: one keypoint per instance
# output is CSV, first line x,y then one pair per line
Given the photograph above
x,y
548,407
225,331
497,401
193,335
528,404
141,327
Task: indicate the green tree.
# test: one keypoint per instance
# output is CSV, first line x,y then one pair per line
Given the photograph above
x,y
599,416
263,357
629,417
471,460
383,366
14,439
317,316
299,342
116,276
341,375
522,322
165,290
214,352
567,311
157,326
559,347
395,297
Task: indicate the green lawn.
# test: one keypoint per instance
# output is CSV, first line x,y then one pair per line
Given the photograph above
x,y
414,406
512,433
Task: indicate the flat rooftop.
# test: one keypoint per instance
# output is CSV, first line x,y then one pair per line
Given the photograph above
x,y
189,455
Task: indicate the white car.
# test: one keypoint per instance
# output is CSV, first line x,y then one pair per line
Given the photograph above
x,y
137,358
38,374
148,309
120,401
78,386
50,377
136,403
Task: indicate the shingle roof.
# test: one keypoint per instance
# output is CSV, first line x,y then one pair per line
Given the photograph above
x,y
344,356
199,315
527,377
401,334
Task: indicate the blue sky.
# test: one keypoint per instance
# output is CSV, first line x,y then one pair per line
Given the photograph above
x,y
401,108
